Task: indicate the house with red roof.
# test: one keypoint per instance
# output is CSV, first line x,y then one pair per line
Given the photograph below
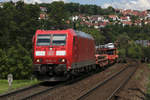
x,y
126,12
43,16
113,17
138,22
124,23
126,18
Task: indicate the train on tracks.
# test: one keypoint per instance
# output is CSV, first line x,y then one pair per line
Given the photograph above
x,y
59,54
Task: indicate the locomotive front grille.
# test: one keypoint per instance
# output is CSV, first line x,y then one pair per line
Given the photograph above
x,y
50,61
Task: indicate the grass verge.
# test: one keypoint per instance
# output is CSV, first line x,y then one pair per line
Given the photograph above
x,y
148,91
15,85
148,87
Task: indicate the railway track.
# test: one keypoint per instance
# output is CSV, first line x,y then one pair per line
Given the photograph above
x,y
27,92
38,91
107,89
73,91
32,92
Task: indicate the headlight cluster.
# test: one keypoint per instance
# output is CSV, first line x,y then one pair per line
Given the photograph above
x,y
39,60
62,60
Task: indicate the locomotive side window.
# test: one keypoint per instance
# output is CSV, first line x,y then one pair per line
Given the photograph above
x,y
43,40
59,39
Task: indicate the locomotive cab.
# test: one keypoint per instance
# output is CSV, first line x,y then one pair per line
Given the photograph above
x,y
50,56
62,53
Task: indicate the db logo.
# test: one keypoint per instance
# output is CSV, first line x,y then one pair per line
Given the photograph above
x,y
50,53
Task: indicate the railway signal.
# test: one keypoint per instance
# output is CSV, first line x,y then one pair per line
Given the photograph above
x,y
10,80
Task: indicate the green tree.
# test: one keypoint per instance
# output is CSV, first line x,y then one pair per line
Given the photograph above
x,y
20,62
122,53
146,52
99,38
3,64
135,51
72,8
57,16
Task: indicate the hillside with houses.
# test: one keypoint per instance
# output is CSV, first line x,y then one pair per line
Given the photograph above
x,y
122,17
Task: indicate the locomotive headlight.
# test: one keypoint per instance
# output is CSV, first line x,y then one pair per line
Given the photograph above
x,y
38,60
62,60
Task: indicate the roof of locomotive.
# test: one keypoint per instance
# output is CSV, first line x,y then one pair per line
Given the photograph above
x,y
82,34
51,31
74,32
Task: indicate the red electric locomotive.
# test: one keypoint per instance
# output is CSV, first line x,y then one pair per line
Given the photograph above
x,y
61,52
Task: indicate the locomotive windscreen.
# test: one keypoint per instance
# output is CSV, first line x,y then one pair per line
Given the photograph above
x,y
43,40
59,39
47,39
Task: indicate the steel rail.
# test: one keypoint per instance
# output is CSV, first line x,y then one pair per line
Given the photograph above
x,y
63,84
102,83
18,90
29,97
52,88
41,92
11,94
15,92
123,83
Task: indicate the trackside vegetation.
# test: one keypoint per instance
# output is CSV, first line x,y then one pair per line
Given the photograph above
x,y
15,85
19,21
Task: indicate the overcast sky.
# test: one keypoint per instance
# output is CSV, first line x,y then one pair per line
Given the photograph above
x,y
126,4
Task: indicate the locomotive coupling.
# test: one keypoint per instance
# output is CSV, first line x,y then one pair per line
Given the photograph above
x,y
60,68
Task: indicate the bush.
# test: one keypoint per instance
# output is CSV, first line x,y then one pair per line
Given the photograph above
x,y
18,63
135,51
3,64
